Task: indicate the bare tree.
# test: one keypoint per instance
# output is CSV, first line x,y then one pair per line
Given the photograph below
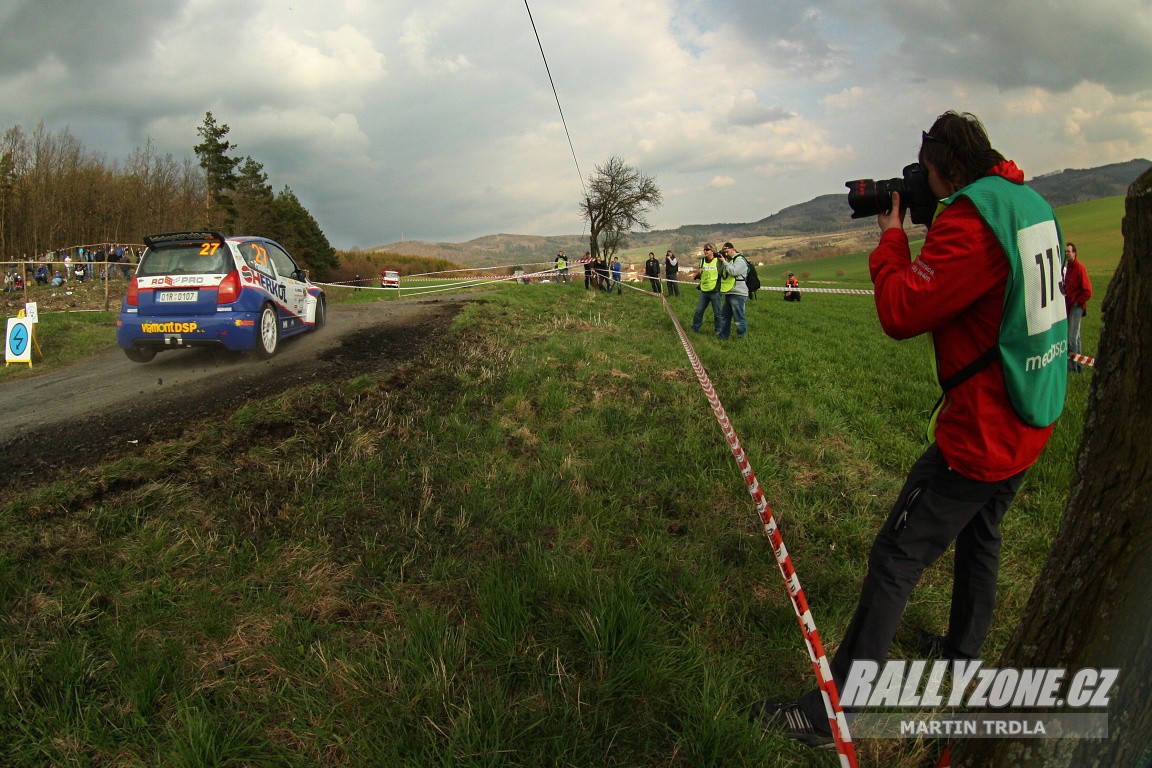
x,y
1090,607
618,199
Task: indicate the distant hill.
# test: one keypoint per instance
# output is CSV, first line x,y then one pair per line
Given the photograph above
x,y
1079,186
818,217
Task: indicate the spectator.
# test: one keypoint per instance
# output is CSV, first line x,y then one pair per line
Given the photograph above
x,y
80,272
57,279
561,268
617,268
652,270
709,277
589,265
793,284
602,273
671,270
1077,292
42,274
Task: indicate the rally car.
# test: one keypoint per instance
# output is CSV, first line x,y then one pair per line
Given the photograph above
x,y
204,289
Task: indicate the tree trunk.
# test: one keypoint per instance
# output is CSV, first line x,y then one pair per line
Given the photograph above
x,y
1092,604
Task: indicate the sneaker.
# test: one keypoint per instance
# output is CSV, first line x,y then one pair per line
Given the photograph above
x,y
789,721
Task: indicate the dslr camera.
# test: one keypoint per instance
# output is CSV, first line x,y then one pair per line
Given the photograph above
x,y
868,197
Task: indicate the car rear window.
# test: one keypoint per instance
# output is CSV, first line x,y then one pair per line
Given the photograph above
x,y
189,259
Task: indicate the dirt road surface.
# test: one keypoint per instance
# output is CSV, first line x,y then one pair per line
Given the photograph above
x,y
107,405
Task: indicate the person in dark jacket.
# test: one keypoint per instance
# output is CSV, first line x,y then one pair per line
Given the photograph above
x,y
652,270
602,273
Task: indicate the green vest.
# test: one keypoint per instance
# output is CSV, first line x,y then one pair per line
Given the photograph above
x,y
562,262
1033,342
708,275
726,282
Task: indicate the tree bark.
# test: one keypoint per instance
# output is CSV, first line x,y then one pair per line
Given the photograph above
x,y
1092,604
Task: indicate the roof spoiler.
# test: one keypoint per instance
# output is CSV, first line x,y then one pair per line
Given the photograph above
x,y
168,238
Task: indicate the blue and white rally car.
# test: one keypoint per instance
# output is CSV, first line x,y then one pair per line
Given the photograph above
x,y
203,289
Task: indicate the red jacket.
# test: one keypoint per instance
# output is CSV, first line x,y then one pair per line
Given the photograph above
x,y
1077,286
955,291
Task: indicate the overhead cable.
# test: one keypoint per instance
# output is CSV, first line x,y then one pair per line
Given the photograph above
x,y
557,97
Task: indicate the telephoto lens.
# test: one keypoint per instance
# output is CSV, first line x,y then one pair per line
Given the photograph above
x,y
868,197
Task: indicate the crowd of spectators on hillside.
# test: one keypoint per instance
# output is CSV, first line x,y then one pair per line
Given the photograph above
x,y
54,268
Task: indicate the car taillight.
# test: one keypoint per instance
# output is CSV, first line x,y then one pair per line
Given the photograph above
x,y
229,289
133,297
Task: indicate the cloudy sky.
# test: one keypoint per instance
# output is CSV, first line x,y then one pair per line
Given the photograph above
x,y
435,119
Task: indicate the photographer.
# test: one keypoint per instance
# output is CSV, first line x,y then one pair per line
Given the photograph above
x,y
671,270
733,293
967,289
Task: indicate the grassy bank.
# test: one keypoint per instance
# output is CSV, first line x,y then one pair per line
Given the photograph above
x,y
528,547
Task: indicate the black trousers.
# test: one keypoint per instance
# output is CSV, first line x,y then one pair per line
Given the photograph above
x,y
937,506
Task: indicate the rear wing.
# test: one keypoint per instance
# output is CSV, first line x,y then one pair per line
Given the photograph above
x,y
171,238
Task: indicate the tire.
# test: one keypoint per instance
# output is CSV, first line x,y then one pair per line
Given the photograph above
x,y
267,333
321,313
140,354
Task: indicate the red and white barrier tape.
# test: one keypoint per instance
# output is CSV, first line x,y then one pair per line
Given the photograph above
x,y
472,283
836,719
1082,359
798,289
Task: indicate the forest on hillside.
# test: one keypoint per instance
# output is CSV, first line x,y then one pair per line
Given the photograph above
x,y
56,196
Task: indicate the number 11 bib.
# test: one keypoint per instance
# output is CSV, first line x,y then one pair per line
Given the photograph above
x,y
1034,331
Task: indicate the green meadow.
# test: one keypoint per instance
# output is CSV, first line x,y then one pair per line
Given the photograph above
x,y
529,546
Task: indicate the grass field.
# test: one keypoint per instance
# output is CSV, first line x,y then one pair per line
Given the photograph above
x,y
528,547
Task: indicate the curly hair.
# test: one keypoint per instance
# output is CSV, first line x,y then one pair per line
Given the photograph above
x,y
958,146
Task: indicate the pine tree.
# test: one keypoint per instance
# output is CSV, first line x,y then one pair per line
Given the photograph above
x,y
302,236
220,171
253,200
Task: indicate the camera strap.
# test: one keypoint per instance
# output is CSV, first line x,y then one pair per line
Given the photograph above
x,y
989,356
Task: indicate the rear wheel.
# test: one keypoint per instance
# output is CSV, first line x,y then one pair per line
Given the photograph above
x,y
140,355
269,333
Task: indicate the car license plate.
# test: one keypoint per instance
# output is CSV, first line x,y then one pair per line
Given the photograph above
x,y
166,296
